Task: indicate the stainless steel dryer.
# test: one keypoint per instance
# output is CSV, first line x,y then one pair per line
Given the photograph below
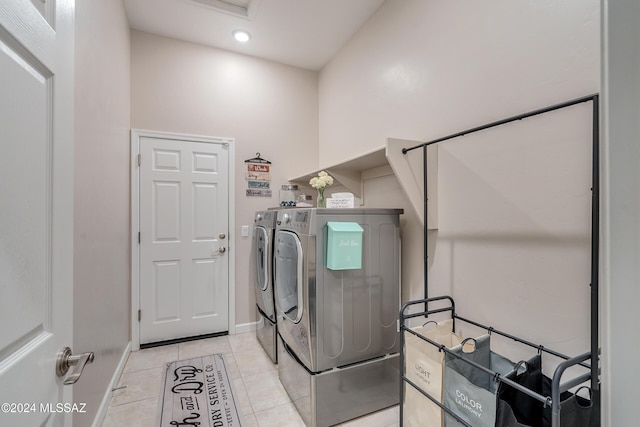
x,y
338,346
261,261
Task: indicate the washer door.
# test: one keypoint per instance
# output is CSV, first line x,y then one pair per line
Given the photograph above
x,y
263,257
288,272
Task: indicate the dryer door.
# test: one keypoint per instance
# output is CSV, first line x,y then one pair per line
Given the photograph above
x,y
261,271
288,273
263,254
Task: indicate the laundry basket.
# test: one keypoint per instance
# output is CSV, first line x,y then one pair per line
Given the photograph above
x,y
424,367
470,392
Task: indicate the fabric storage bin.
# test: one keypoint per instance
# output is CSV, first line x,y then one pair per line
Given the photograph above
x,y
468,391
424,366
577,411
516,409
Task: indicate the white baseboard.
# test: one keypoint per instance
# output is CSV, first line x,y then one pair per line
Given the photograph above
x,y
246,327
106,400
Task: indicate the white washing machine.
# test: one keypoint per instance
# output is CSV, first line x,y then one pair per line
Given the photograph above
x,y
261,262
338,342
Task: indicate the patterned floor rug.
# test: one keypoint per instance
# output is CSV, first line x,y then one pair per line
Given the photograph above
x,y
198,392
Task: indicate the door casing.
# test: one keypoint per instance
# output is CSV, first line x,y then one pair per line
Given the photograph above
x,y
136,134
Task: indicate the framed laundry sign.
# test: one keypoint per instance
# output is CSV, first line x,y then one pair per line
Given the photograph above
x,y
258,176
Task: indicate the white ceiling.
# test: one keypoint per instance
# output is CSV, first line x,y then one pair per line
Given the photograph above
x,y
303,33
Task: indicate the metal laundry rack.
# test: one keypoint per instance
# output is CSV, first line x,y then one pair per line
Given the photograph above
x,y
593,355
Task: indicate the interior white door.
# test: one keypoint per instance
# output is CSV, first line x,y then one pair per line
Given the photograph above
x,y
36,217
184,267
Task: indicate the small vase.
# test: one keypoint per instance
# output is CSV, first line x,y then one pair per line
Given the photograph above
x,y
322,202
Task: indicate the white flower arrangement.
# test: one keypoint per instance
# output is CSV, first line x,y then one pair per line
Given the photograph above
x,y
321,181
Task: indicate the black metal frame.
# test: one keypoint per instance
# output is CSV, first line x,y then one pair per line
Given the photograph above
x,y
557,387
593,355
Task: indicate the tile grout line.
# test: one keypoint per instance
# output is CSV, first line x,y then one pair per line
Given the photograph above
x,y
133,401
144,369
253,410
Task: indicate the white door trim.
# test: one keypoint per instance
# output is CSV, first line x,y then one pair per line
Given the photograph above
x,y
136,134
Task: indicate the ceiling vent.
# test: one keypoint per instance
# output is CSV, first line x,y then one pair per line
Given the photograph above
x,y
242,8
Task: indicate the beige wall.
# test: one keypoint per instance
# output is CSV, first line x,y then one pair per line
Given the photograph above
x,y
421,69
513,239
101,201
267,107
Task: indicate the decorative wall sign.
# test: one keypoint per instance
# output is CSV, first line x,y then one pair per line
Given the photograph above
x,y
254,192
258,176
256,167
258,184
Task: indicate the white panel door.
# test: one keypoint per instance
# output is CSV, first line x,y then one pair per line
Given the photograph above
x,y
184,267
36,213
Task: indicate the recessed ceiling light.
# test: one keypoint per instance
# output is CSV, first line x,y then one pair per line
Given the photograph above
x,y
242,36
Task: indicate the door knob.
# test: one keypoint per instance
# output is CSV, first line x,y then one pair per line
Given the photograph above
x,y
222,236
65,360
220,250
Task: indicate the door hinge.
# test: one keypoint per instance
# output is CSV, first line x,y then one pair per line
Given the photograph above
x,y
139,159
139,315
139,237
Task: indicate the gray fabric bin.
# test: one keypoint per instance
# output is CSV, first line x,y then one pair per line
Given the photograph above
x,y
468,391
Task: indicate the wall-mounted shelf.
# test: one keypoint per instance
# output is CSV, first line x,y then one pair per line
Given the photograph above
x,y
351,172
388,160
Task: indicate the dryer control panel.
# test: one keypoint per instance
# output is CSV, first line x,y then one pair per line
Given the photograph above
x,y
298,220
266,219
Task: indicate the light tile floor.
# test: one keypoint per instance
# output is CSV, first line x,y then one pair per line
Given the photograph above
x,y
263,400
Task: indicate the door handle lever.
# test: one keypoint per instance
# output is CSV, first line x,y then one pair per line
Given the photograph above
x,y
220,250
65,360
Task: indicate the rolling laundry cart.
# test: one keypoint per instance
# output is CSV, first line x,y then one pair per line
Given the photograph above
x,y
552,399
